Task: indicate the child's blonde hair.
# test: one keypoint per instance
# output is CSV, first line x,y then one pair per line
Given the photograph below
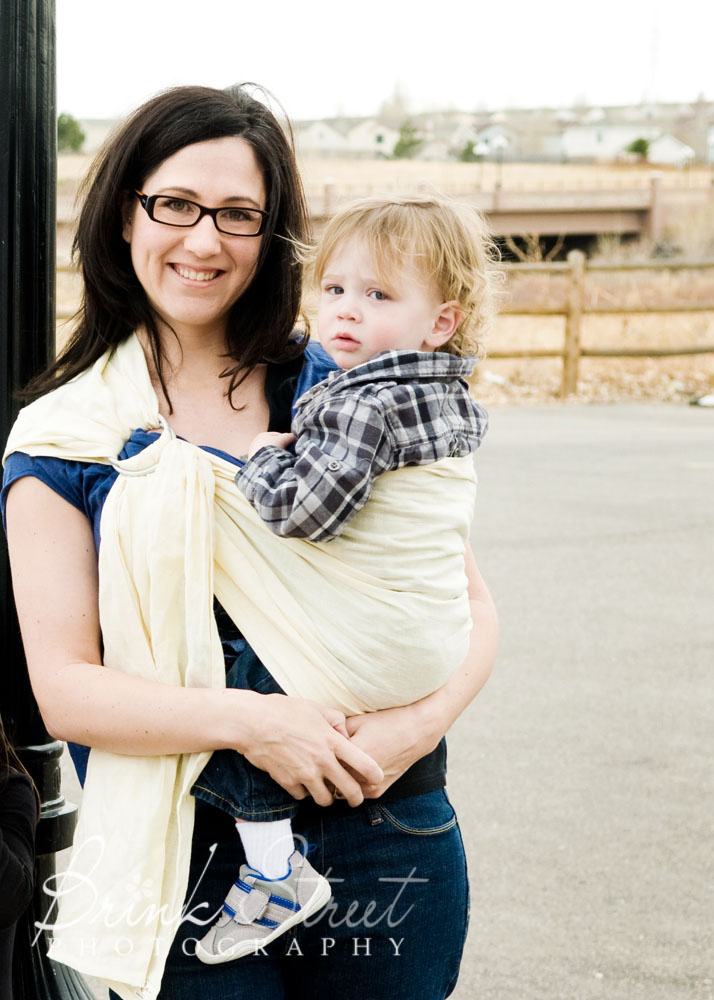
x,y
445,241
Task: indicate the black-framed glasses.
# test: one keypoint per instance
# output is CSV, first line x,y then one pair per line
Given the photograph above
x,y
170,210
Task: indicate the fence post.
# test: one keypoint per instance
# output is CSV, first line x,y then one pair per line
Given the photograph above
x,y
573,322
330,202
654,216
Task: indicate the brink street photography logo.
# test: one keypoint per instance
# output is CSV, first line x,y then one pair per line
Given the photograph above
x,y
120,924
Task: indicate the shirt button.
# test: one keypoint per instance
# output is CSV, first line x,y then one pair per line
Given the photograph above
x,y
334,465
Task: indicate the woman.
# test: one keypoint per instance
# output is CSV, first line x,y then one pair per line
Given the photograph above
x,y
214,311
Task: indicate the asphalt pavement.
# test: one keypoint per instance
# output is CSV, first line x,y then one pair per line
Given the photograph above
x,y
583,773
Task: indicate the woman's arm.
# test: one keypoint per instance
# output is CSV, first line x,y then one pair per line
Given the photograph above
x,y
397,737
54,571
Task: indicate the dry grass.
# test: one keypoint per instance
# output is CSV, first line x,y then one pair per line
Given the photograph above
x,y
677,380
670,378
601,379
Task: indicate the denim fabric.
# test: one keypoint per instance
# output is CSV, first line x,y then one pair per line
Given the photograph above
x,y
317,365
229,781
395,927
232,784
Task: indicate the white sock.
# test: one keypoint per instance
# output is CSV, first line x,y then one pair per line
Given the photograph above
x,y
267,846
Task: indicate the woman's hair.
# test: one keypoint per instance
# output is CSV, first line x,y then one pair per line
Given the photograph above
x,y
442,241
114,303
8,760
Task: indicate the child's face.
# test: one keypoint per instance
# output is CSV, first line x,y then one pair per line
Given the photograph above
x,y
358,316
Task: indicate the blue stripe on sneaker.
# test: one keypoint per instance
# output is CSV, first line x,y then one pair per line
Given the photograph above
x,y
287,903
229,910
266,922
243,885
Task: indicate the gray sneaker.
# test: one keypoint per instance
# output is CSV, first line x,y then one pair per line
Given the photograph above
x,y
258,910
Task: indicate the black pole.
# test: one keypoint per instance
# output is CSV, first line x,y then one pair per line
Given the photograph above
x,y
28,168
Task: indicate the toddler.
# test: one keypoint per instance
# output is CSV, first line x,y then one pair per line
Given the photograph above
x,y
405,291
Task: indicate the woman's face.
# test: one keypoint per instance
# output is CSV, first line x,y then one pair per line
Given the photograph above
x,y
192,276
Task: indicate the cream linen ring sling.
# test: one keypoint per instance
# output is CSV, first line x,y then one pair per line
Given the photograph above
x,y
175,531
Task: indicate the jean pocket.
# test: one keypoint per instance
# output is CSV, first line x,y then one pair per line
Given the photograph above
x,y
420,815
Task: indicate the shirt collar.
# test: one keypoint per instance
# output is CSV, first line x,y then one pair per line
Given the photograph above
x,y
409,366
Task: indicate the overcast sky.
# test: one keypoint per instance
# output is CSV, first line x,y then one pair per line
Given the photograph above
x,y
324,58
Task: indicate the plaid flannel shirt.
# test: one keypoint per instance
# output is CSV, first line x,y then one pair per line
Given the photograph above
x,y
400,408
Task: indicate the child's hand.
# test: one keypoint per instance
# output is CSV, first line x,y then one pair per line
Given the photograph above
x,y
270,439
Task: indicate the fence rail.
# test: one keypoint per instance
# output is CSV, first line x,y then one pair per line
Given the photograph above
x,y
576,306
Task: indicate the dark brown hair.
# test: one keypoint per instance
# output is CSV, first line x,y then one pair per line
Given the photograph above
x,y
113,302
8,760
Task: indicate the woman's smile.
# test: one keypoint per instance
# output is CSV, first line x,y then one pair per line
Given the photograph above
x,y
193,275
196,277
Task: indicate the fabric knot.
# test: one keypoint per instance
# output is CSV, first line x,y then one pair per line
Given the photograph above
x,y
147,460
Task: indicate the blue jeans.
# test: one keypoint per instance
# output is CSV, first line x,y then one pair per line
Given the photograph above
x,y
394,928
396,924
229,781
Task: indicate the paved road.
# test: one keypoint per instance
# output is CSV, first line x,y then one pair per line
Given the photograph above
x,y
583,775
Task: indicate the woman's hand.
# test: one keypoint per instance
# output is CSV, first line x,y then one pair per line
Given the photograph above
x,y
304,747
395,738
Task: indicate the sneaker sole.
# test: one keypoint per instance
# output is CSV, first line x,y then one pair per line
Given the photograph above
x,y
320,896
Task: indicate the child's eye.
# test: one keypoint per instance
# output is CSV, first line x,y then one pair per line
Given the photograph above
x,y
378,295
333,289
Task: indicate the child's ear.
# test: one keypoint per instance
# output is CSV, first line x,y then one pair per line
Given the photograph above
x,y
446,321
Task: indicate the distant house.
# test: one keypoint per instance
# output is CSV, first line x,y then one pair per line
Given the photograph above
x,y
634,113
435,150
566,116
669,151
556,134
461,135
602,143
445,136
551,148
593,116
319,138
496,142
370,137
605,143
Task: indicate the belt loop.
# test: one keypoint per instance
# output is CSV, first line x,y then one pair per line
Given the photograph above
x,y
374,814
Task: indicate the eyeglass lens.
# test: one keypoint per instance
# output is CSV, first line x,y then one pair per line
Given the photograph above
x,y
235,221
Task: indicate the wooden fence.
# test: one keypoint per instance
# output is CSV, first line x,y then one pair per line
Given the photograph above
x,y
577,303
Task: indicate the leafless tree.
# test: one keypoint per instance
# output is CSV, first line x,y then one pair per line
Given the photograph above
x,y
532,252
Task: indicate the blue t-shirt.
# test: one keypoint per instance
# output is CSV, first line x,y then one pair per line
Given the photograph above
x,y
85,484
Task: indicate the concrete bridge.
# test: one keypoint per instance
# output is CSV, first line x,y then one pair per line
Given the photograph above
x,y
639,211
